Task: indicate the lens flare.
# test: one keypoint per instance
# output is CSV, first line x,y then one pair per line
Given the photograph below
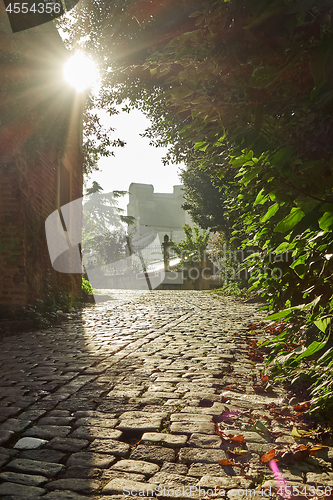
x,y
80,72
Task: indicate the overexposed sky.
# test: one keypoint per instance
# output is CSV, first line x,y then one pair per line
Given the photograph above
x,y
136,162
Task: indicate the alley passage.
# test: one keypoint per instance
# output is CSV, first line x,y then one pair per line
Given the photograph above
x,y
120,400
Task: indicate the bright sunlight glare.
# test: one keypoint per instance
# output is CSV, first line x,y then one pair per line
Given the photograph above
x,y
80,71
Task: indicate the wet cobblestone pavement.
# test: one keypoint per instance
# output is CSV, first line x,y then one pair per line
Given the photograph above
x,y
125,397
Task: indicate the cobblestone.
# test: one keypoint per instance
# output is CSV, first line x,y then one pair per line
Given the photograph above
x,y
165,439
191,427
90,433
110,446
86,459
20,490
74,484
136,466
68,444
28,479
204,455
29,443
35,467
51,456
128,391
48,431
205,441
120,486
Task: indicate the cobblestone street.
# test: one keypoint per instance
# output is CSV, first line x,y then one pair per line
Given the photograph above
x,y
123,398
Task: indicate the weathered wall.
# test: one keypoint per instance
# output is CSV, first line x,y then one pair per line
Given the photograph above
x,y
162,211
39,130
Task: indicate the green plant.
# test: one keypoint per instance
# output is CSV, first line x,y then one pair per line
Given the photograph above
x,y
244,94
233,288
45,312
193,247
86,287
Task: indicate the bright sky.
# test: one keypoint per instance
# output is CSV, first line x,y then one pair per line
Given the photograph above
x,y
136,162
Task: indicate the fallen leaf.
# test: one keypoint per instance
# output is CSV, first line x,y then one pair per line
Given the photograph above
x,y
237,439
299,433
260,427
280,411
226,461
302,406
264,378
267,457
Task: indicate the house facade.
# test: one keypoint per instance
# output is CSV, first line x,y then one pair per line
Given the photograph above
x,y
40,159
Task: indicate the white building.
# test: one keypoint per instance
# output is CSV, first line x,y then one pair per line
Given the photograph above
x,y
160,211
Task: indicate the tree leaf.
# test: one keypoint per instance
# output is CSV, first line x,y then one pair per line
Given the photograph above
x,y
261,198
322,324
296,214
270,212
199,145
312,349
326,221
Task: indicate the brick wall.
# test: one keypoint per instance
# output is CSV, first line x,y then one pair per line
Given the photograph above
x,y
39,130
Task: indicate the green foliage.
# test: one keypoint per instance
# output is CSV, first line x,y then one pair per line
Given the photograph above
x,y
234,289
103,235
45,312
242,91
203,199
192,248
86,287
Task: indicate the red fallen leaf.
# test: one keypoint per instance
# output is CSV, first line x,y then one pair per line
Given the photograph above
x,y
267,457
302,406
226,461
264,378
280,411
135,444
237,439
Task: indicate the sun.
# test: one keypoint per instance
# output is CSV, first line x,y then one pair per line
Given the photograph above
x,y
80,71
